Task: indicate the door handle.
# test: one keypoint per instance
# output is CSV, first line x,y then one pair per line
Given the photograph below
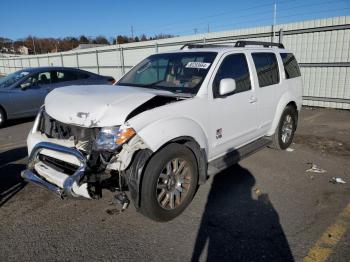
x,y
252,100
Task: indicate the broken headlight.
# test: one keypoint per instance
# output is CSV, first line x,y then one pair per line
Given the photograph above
x,y
110,138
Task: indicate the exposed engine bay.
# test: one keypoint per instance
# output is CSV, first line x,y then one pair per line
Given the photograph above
x,y
104,169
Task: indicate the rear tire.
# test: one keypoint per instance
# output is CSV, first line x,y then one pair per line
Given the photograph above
x,y
169,183
285,130
2,118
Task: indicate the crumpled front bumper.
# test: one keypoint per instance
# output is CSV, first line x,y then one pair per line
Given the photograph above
x,y
52,179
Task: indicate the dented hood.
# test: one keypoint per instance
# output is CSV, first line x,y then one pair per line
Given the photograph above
x,y
96,105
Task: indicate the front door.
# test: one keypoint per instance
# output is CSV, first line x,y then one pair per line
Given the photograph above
x,y
29,96
233,118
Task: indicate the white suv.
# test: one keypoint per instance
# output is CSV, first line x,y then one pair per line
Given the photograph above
x,y
169,123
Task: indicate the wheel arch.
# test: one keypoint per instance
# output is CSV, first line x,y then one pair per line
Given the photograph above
x,y
135,172
285,101
159,133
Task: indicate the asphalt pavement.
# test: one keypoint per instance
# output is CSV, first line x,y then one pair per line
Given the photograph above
x,y
266,208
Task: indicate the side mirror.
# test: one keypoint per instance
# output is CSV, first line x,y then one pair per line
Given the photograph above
x,y
227,85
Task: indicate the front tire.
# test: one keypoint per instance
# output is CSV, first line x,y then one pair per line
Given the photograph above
x,y
169,183
2,117
284,133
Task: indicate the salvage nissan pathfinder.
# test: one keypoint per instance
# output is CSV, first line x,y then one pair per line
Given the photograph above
x,y
168,124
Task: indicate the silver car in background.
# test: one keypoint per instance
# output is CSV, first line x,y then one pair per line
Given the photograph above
x,y
23,92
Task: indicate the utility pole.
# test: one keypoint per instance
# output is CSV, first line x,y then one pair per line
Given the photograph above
x,y
274,22
132,32
208,30
41,48
33,46
58,46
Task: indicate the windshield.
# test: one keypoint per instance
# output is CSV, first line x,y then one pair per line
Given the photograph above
x,y
176,72
12,78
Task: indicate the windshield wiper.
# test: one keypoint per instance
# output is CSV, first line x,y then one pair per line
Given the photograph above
x,y
182,94
141,85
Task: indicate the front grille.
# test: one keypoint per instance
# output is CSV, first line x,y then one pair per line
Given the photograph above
x,y
58,130
53,128
58,165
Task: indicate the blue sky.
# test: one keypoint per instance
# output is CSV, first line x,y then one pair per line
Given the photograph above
x,y
112,17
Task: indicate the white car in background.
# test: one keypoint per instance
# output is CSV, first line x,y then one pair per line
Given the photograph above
x,y
169,123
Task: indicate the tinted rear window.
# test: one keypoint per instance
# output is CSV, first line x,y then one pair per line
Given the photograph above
x,y
291,67
266,68
63,76
83,76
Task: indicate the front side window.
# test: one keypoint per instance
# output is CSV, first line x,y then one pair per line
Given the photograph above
x,y
291,67
37,80
267,68
30,82
175,72
236,67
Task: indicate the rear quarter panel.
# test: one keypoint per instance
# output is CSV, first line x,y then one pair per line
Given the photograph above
x,y
292,93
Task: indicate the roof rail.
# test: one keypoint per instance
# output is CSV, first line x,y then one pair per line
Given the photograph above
x,y
239,43
243,43
191,46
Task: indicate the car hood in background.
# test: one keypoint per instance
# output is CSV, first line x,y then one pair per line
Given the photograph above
x,y
96,105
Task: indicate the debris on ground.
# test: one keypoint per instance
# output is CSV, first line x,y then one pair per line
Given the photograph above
x,y
337,180
324,144
289,149
315,169
113,211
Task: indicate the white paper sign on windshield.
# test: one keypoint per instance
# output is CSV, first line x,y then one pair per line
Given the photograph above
x,y
198,65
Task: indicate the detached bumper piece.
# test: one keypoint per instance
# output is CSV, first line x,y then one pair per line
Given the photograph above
x,y
47,176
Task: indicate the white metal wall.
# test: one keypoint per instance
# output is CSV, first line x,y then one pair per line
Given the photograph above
x,y
321,46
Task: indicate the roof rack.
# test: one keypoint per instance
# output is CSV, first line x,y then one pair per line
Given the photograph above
x,y
240,43
191,46
243,43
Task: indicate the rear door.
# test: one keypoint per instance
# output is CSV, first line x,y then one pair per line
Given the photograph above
x,y
269,86
233,118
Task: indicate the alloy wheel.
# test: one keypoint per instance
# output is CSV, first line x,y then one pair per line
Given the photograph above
x,y
174,183
287,129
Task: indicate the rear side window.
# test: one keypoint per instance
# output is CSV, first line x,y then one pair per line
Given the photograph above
x,y
44,78
236,67
63,76
83,76
291,67
266,68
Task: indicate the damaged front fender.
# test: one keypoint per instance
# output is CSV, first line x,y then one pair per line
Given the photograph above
x,y
134,173
123,159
